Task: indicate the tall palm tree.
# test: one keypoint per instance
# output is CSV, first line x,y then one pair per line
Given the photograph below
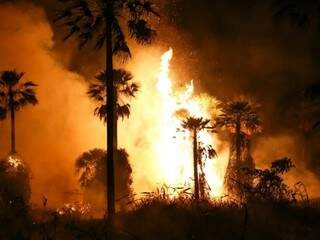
x,y
196,125
102,21
125,89
241,119
14,95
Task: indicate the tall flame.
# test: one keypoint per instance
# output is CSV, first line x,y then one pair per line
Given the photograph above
x,y
173,148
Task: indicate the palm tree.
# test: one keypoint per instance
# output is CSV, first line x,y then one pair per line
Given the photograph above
x,y
240,118
125,89
14,95
101,21
90,167
196,125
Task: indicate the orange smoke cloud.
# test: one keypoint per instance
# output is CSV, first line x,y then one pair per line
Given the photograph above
x,y
53,133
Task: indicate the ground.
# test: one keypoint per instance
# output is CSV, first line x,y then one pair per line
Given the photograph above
x,y
161,220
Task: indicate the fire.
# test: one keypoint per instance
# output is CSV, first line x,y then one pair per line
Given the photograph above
x,y
14,161
172,147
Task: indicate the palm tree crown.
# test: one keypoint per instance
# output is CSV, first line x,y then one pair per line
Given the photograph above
x,y
241,119
87,19
239,112
193,123
200,153
125,89
15,94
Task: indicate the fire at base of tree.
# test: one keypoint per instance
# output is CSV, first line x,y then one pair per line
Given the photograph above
x,y
15,192
15,179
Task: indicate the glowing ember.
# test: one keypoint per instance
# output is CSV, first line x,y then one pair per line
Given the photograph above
x,y
76,208
14,161
173,149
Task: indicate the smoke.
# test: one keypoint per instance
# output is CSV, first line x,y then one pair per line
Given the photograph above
x,y
268,149
228,48
51,135
237,48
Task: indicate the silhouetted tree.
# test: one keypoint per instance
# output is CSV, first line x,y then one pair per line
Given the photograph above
x,y
15,194
125,89
196,125
14,95
240,118
15,182
269,185
90,167
101,21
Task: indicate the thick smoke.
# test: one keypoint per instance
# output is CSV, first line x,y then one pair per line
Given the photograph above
x,y
51,135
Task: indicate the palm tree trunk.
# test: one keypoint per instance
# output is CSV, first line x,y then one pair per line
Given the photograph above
x,y
236,187
13,126
195,167
238,142
111,119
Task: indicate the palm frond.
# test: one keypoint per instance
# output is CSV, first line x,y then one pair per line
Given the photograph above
x,y
86,20
22,93
3,113
125,89
96,92
141,31
101,112
123,111
11,77
89,157
194,123
120,45
239,112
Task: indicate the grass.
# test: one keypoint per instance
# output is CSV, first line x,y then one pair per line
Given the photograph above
x,y
158,218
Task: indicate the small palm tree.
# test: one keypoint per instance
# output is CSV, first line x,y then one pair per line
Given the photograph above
x,y
125,89
90,167
196,125
102,22
241,119
14,95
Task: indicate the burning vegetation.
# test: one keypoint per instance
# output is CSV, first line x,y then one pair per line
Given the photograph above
x,y
161,158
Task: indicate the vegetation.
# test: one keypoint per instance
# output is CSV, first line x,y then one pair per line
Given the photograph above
x,y
259,204
196,125
101,22
15,194
125,89
90,167
268,184
14,95
240,118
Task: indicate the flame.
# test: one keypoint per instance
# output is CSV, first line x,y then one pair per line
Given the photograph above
x,y
173,148
14,161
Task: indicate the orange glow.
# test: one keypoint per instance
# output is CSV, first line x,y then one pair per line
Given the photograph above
x,y
170,149
14,161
